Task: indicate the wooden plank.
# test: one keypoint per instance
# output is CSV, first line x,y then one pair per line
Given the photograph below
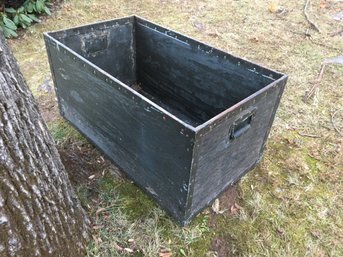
x,y
219,161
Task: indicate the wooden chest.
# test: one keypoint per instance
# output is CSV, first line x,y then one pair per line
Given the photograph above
x,y
182,119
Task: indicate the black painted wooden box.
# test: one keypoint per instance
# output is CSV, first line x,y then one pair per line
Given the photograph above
x,y
184,120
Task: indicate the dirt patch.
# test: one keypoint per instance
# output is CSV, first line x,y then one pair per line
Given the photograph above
x,y
47,101
84,163
228,201
229,198
222,246
48,107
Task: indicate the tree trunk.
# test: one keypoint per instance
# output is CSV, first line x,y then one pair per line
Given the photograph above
x,y
39,212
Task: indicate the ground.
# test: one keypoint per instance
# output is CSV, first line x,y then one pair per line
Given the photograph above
x,y
291,204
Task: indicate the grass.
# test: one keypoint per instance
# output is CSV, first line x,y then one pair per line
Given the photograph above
x,y
292,203
126,218
61,131
287,212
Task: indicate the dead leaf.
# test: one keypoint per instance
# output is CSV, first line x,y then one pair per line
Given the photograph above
x,y
128,250
315,233
199,25
280,231
100,210
322,4
212,254
117,247
67,7
274,8
235,208
206,211
213,33
238,207
96,227
165,253
216,207
96,240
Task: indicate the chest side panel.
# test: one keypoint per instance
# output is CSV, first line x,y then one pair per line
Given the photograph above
x,y
231,148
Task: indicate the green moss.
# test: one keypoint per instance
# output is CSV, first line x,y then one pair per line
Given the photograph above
x,y
84,193
136,203
278,220
201,246
61,131
106,184
134,207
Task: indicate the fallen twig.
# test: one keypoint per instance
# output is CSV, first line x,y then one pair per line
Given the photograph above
x,y
308,36
313,25
324,45
312,156
308,135
117,247
334,124
315,88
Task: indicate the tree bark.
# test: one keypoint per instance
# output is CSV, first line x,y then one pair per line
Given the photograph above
x,y
39,212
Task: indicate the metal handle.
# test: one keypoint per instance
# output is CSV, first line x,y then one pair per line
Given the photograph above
x,y
243,123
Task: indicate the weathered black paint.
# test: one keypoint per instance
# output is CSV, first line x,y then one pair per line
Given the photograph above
x,y
184,120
